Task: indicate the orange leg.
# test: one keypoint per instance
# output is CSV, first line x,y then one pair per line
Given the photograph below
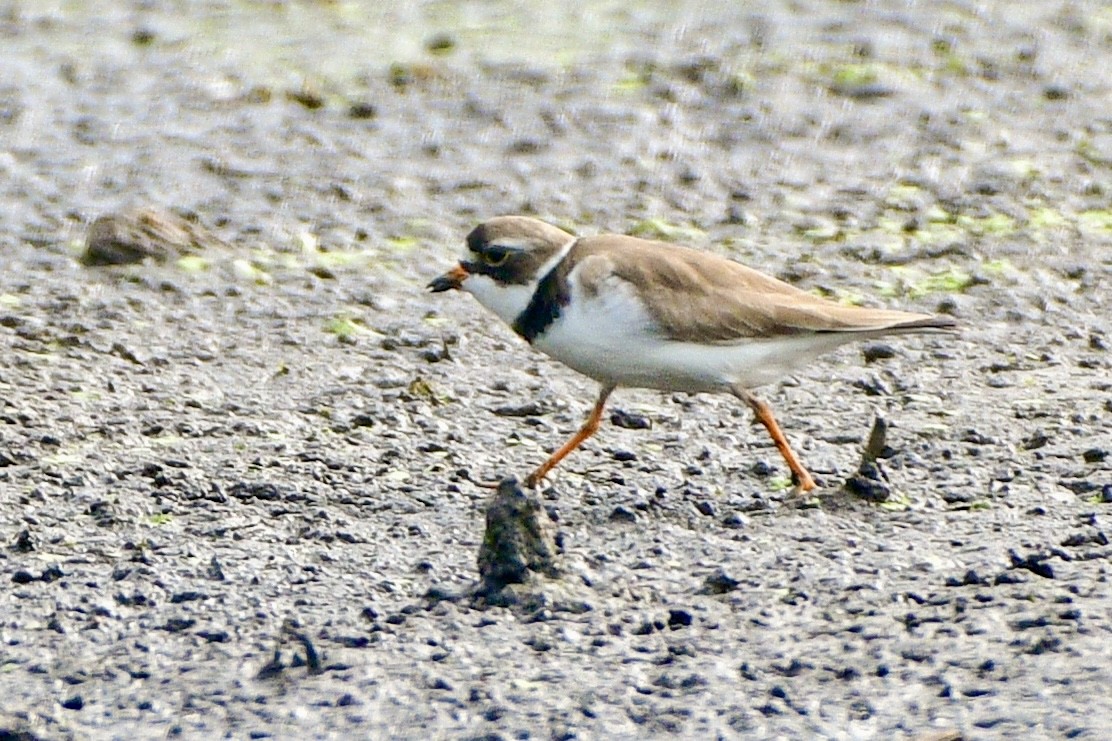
x,y
589,428
763,413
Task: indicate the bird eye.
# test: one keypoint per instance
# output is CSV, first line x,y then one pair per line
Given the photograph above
x,y
495,256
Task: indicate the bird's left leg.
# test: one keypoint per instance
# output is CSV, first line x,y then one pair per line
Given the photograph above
x,y
589,428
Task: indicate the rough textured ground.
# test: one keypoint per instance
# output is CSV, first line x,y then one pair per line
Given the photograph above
x,y
269,447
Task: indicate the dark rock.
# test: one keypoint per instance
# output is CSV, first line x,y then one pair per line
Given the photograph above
x,y
971,578
177,625
679,619
705,507
720,583
528,409
519,540
957,497
975,438
762,469
214,636
23,542
629,420
1036,440
363,420
1055,91
307,97
875,351
440,43
869,483
189,596
735,521
362,111
1035,563
793,668
144,233
623,514
1094,455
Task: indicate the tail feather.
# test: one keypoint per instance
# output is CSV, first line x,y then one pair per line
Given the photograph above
x,y
853,320
934,323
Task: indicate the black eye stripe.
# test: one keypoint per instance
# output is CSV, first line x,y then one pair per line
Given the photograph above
x,y
494,251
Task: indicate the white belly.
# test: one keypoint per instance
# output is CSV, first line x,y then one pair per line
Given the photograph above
x,y
610,337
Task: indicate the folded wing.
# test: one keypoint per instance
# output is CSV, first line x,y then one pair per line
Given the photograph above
x,y
700,297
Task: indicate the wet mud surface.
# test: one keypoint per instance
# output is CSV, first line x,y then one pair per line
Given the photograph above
x,y
238,483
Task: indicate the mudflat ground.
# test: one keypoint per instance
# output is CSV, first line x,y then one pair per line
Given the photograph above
x,y
233,484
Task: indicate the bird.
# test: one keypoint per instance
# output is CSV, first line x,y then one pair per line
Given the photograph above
x,y
636,313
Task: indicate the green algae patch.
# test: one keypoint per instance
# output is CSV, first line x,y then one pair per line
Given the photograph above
x,y
193,263
664,230
346,327
1044,217
914,283
1096,220
992,225
246,271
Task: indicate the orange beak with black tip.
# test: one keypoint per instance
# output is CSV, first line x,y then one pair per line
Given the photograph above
x,y
450,281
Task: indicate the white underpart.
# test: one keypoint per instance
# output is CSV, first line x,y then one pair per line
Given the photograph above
x,y
508,301
505,301
610,336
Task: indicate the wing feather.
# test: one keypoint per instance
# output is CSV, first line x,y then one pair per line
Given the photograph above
x,y
697,296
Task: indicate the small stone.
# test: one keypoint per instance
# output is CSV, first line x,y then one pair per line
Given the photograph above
x,y
679,619
307,97
762,469
362,111
1055,91
176,625
951,496
720,583
214,636
1036,440
622,514
145,233
735,521
1094,455
869,483
363,420
528,409
440,43
629,420
971,578
1035,563
877,351
23,542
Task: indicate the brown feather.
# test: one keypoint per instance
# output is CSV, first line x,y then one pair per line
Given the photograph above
x,y
701,297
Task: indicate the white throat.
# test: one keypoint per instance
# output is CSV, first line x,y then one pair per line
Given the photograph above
x,y
508,301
